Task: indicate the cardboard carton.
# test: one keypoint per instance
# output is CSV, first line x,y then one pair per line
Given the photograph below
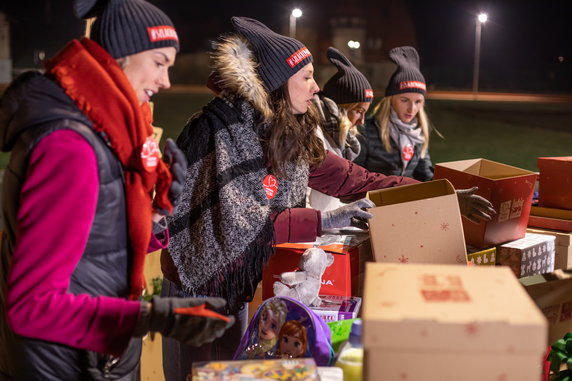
x,y
446,322
555,181
508,188
562,247
533,254
486,257
343,278
418,223
549,223
552,293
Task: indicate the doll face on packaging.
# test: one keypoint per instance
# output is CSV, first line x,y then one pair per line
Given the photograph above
x,y
268,326
291,346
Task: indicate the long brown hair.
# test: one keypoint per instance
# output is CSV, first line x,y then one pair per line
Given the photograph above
x,y
292,137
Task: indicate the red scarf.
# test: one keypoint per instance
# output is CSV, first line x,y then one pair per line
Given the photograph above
x,y
98,86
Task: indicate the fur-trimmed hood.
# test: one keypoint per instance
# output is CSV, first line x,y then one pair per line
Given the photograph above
x,y
235,65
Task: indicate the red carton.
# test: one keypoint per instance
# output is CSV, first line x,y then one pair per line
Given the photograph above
x,y
555,181
508,188
344,277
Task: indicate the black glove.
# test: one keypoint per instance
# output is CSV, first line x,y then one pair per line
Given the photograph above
x,y
178,163
473,206
342,216
183,319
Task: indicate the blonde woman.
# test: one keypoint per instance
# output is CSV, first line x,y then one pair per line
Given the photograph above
x,y
395,140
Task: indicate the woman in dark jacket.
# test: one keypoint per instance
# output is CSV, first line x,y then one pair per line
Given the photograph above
x,y
79,218
395,139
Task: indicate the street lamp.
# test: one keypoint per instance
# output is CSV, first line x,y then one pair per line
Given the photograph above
x,y
481,19
296,12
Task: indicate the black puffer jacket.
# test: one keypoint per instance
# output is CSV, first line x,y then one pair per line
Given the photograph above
x,y
375,158
30,109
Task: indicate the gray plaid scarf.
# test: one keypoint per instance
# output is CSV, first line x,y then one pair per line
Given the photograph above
x,y
222,233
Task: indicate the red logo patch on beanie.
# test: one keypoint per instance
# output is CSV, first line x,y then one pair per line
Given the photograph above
x,y
412,85
369,93
161,33
298,57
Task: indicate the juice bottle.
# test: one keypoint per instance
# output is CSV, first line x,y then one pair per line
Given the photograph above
x,y
350,358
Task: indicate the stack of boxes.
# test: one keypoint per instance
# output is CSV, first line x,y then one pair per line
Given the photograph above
x,y
427,314
553,215
504,238
342,281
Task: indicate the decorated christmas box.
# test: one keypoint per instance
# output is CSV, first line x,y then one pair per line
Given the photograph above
x,y
533,254
562,247
447,322
508,188
555,182
303,369
335,307
552,293
418,223
344,277
486,257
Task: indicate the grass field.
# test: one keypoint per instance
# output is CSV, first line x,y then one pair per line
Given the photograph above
x,y
508,132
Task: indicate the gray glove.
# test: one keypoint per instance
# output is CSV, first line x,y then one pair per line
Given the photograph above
x,y
353,148
178,166
183,319
342,216
473,206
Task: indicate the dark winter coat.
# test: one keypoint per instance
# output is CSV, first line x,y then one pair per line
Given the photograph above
x,y
31,110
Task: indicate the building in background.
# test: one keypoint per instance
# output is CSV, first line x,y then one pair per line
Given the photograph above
x,y
363,30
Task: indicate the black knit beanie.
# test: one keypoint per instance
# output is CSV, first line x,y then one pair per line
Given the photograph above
x,y
407,78
348,85
279,57
125,27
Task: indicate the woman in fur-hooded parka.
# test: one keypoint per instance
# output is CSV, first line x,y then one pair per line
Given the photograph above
x,y
236,201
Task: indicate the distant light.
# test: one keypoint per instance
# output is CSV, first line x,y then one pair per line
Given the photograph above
x,y
296,12
353,44
483,17
560,59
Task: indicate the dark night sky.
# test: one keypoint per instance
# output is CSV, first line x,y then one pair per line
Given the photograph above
x,y
521,35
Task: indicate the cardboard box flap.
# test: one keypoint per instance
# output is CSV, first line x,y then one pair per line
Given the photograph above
x,y
486,168
413,192
548,289
436,306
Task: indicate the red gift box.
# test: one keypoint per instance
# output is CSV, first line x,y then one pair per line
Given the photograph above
x,y
508,188
343,277
555,181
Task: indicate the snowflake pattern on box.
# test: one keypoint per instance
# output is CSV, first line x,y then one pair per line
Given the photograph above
x,y
531,255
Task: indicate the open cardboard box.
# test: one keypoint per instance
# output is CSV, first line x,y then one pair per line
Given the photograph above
x,y
418,223
508,188
555,181
447,322
552,293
